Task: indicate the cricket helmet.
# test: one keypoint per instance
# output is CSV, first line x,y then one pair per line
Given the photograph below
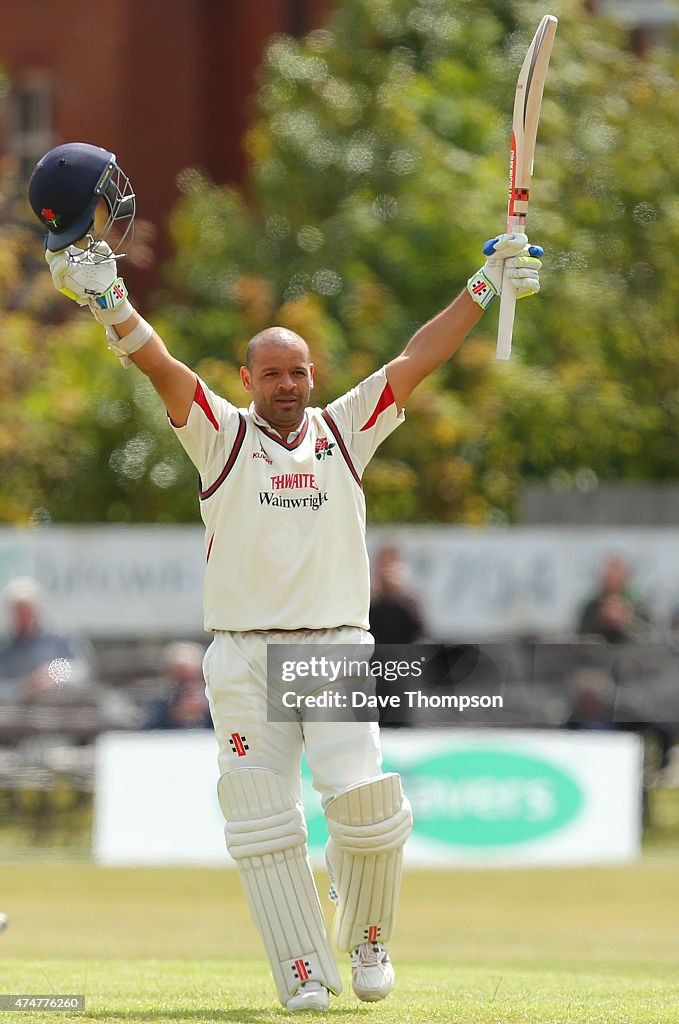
x,y
66,187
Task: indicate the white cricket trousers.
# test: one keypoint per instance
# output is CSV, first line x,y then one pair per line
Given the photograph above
x,y
339,754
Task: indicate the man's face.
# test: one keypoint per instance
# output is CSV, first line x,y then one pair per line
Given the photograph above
x,y
615,576
280,380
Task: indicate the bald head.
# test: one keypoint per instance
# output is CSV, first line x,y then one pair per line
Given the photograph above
x,y
276,337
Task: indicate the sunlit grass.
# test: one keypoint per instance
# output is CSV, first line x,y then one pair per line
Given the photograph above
x,y
473,947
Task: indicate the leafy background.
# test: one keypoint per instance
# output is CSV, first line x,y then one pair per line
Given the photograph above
x,y
378,151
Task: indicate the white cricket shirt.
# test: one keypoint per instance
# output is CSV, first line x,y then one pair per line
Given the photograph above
x,y
285,518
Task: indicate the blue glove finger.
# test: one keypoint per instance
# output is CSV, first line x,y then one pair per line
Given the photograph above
x,y
533,250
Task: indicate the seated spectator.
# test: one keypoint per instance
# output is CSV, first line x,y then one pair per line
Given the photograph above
x,y
185,705
615,613
36,661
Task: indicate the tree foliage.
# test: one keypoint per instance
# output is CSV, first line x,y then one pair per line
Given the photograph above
x,y
378,157
80,440
378,152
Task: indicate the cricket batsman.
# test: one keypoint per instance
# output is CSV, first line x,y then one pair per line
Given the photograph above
x,y
286,562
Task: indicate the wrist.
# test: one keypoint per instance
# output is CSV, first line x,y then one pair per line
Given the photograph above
x,y
113,306
481,288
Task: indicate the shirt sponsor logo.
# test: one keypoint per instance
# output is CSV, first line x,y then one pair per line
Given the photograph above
x,y
293,482
312,501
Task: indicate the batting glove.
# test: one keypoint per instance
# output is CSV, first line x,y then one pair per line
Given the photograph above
x,y
522,262
90,278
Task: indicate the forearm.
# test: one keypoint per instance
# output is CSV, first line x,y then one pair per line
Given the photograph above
x,y
432,345
436,341
439,339
91,279
174,382
152,357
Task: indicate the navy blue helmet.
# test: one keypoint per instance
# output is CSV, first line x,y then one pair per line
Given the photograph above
x,y
66,187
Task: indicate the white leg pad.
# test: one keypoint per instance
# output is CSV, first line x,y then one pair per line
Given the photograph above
x,y
266,835
368,826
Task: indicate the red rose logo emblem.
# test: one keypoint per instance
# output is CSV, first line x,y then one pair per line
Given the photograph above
x,y
323,448
51,217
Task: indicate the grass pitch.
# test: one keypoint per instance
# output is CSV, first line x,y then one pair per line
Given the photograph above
x,y
487,947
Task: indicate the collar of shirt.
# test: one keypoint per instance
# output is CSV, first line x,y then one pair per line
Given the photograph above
x,y
261,422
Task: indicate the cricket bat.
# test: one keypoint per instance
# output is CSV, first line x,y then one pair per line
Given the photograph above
x,y
527,103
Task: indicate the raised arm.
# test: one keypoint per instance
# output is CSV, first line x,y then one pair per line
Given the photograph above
x,y
438,340
95,283
174,382
431,346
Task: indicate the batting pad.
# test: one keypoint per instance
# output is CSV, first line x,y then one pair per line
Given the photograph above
x,y
368,825
266,836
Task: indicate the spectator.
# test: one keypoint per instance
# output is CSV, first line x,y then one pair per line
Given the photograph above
x,y
36,661
593,704
395,618
614,613
618,616
185,705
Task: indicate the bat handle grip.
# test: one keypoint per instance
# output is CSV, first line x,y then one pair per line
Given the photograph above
x,y
505,325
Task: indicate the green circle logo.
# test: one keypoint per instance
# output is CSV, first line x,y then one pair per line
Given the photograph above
x,y
487,797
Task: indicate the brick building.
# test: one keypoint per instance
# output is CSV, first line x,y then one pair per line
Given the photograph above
x,y
164,85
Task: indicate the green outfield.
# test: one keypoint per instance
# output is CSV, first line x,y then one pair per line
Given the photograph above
x,y
486,947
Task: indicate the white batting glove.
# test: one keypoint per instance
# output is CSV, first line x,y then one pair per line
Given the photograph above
x,y
522,261
90,278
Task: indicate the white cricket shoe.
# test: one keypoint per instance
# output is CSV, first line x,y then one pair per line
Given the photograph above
x,y
311,995
372,974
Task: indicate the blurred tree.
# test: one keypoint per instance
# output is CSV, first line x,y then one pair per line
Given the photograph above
x,y
378,156
80,440
378,159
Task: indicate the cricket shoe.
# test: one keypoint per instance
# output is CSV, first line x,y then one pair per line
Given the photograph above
x,y
372,974
309,996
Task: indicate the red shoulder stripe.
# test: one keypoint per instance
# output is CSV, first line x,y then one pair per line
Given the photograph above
x,y
200,399
385,400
